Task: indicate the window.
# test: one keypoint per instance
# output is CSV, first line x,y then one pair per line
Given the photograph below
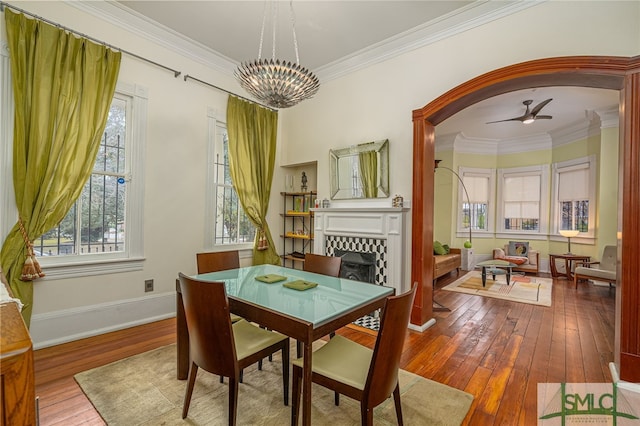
x,y
574,195
522,200
228,224
478,215
522,203
104,227
96,223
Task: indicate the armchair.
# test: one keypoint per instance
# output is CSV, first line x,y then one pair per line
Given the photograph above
x,y
606,271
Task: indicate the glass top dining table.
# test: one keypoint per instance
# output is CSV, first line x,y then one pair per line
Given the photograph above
x,y
303,315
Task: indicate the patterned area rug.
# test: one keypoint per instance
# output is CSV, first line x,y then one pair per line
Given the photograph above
x,y
143,390
529,289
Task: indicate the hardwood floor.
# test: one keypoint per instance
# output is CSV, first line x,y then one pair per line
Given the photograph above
x,y
494,349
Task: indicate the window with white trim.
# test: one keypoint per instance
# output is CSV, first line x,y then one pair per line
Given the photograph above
x,y
477,211
227,223
574,184
522,195
104,227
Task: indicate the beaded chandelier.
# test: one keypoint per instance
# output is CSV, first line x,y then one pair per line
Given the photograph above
x,y
277,83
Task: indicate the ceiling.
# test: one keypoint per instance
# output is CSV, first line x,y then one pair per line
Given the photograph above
x,y
333,35
327,31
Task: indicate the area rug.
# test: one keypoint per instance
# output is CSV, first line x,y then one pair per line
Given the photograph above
x,y
528,289
143,390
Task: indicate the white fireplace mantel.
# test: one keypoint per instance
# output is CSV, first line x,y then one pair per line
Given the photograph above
x,y
384,223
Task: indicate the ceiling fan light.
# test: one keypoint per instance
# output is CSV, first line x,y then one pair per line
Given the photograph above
x,y
528,120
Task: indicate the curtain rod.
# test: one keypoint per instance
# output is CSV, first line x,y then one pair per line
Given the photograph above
x,y
187,76
176,73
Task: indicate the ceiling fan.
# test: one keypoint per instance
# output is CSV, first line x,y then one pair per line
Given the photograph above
x,y
530,115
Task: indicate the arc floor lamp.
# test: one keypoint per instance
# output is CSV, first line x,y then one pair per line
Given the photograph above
x,y
437,306
437,166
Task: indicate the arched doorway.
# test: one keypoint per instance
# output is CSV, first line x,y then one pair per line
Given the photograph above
x,y
617,73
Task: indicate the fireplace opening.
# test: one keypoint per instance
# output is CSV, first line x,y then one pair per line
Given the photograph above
x,y
357,266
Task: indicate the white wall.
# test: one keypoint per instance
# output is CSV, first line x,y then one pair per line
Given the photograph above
x,y
377,102
371,104
175,164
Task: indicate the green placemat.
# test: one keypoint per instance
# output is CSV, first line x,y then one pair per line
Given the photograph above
x,y
270,278
300,285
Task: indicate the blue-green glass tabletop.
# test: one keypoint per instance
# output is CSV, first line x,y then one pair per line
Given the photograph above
x,y
330,298
496,263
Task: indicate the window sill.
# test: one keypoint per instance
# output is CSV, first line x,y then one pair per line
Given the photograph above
x,y
88,268
245,250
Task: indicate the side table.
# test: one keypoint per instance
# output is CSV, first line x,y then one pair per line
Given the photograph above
x,y
568,263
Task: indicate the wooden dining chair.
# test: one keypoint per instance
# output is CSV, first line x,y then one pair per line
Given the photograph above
x,y
218,261
222,348
368,376
214,261
325,265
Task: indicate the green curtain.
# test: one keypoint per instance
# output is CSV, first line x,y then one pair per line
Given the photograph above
x,y
252,133
368,163
63,87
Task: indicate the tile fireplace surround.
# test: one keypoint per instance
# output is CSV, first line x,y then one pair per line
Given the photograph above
x,y
379,230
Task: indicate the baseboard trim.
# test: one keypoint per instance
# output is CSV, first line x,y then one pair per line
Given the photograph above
x,y
634,387
423,327
68,325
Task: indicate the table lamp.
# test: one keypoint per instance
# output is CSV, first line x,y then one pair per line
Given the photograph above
x,y
568,233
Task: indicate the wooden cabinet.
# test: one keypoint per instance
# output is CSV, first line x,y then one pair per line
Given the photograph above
x,y
297,237
17,381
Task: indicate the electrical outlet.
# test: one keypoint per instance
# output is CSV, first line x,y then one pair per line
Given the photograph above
x,y
148,285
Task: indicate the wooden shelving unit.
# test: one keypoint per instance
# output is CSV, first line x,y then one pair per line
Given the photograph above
x,y
297,238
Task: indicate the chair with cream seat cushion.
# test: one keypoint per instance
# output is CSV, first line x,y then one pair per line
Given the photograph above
x,y
325,265
214,261
368,376
220,347
605,271
218,261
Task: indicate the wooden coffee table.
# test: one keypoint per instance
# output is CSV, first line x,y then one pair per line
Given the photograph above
x,y
496,267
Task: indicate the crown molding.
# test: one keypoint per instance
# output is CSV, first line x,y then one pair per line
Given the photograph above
x,y
145,28
537,142
475,14
445,142
470,145
609,117
591,126
472,16
579,130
